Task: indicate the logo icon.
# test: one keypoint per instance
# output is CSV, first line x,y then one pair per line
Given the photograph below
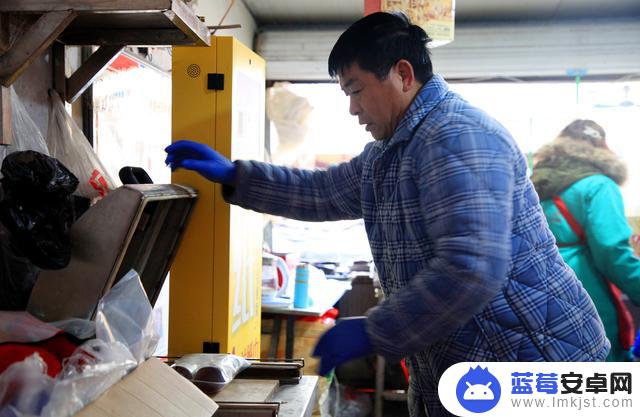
x,y
478,390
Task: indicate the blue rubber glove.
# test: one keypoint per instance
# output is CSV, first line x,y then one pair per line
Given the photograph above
x,y
635,349
202,159
345,341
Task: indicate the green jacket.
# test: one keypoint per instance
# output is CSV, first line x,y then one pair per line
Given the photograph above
x,y
594,199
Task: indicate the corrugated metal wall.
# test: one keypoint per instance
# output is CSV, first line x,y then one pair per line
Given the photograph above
x,y
537,49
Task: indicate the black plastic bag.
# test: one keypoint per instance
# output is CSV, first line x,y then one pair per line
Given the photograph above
x,y
17,274
37,207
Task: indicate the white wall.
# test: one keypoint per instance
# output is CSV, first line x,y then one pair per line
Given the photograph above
x,y
32,87
213,10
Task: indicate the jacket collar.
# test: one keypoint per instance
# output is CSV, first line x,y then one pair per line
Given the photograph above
x,y
427,98
564,161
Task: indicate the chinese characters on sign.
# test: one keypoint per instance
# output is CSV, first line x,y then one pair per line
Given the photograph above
x,y
570,383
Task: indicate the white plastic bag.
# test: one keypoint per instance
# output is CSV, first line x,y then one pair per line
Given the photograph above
x,y
25,388
289,113
90,371
125,337
125,315
342,401
22,327
26,135
68,144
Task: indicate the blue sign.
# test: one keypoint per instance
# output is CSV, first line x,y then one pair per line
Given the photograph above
x,y
478,390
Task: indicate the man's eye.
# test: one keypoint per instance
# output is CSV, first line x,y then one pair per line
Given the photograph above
x,y
356,92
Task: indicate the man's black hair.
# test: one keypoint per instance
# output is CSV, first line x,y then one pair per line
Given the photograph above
x,y
378,41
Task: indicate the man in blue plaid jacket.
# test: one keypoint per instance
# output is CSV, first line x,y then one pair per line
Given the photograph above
x,y
469,268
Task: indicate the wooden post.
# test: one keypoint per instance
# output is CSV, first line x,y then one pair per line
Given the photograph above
x,y
5,117
59,69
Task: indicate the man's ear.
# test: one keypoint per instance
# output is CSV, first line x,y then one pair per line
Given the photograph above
x,y
405,70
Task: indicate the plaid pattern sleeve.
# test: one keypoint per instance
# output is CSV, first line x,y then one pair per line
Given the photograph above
x,y
319,195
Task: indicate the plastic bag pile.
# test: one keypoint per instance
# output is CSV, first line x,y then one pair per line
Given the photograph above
x,y
125,337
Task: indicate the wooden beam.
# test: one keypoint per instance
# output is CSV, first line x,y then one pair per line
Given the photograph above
x,y
220,27
132,37
84,5
32,43
121,22
12,26
89,70
5,120
5,39
184,18
59,69
86,101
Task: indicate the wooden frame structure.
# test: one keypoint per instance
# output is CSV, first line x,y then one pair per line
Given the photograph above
x,y
108,24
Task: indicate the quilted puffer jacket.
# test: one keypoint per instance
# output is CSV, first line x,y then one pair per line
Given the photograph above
x,y
468,266
587,179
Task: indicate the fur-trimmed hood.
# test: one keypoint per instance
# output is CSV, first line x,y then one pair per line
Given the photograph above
x,y
564,161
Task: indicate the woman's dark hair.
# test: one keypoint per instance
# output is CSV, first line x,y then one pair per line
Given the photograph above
x,y
378,41
585,129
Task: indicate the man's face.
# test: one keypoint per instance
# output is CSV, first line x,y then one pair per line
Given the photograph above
x,y
378,104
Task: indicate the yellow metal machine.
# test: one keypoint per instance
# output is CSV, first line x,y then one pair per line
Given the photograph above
x,y
215,283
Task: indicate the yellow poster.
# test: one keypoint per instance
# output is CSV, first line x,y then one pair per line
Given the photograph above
x,y
436,17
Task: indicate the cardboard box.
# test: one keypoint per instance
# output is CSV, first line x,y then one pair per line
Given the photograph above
x,y
307,334
151,390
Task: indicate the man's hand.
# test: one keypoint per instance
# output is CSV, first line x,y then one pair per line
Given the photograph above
x,y
347,340
202,159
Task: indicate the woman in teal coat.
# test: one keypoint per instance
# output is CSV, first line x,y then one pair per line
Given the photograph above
x,y
580,169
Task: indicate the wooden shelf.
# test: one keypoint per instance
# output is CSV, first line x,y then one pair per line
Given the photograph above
x,y
121,22
109,24
112,23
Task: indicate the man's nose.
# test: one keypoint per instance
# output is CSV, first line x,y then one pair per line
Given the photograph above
x,y
354,106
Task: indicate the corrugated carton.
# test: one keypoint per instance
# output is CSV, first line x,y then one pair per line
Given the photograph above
x,y
151,390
